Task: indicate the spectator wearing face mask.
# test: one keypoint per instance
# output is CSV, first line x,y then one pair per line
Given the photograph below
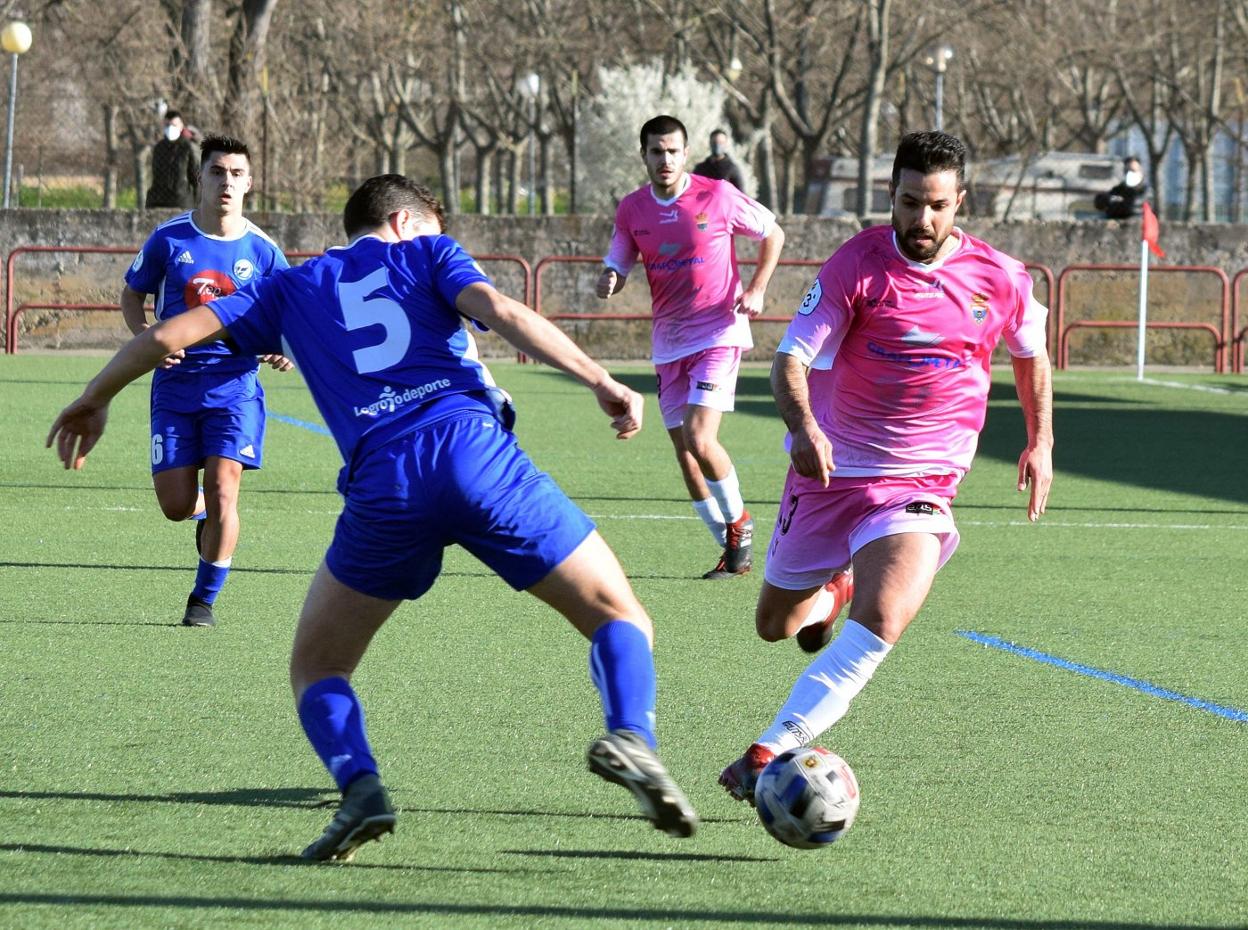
x,y
175,162
720,165
1123,199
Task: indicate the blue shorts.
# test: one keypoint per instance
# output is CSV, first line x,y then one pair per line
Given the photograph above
x,y
462,480
186,439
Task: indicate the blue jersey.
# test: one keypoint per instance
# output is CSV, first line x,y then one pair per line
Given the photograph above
x,y
185,267
374,330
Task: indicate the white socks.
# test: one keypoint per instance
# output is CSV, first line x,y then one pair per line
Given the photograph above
x,y
711,515
821,696
819,610
727,493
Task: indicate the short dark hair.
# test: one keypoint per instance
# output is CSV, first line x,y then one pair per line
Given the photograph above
x,y
226,145
379,198
662,126
718,132
929,152
171,115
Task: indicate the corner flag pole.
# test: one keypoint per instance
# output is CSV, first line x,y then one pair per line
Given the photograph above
x,y
1150,234
1139,342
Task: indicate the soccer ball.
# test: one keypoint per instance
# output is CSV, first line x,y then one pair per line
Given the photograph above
x,y
807,797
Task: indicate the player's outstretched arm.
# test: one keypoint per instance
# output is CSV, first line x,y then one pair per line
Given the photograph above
x,y
1033,380
809,450
80,425
131,303
537,337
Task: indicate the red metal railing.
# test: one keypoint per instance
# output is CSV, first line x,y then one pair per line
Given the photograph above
x,y
1221,335
13,313
1236,334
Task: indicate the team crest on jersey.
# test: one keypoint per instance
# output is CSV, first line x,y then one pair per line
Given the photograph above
x,y
979,307
206,286
811,300
701,219
243,269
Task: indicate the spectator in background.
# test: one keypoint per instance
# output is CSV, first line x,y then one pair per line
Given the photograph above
x,y
175,164
1123,199
720,165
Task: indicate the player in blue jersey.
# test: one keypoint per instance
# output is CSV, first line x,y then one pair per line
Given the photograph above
x,y
207,402
379,330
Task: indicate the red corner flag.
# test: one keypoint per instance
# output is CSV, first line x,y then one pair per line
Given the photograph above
x,y
1152,231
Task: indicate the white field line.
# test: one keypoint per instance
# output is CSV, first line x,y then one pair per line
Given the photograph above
x,y
1043,522
1186,387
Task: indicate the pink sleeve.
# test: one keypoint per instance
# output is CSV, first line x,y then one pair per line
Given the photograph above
x,y
747,217
820,323
1025,336
622,255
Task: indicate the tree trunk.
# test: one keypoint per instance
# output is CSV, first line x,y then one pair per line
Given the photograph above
x,y
877,44
446,172
485,162
110,156
142,172
513,181
246,63
545,195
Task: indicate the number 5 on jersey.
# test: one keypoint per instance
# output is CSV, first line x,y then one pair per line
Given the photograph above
x,y
361,307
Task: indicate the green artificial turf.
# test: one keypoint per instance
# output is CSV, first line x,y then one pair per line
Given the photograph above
x,y
155,776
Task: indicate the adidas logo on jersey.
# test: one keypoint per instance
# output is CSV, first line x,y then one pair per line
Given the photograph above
x,y
185,258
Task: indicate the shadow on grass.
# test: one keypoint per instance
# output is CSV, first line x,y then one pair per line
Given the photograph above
x,y
283,860
1196,452
664,916
1125,441
309,799
624,854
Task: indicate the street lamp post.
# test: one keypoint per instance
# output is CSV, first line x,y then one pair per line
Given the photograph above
x,y
530,85
938,61
14,39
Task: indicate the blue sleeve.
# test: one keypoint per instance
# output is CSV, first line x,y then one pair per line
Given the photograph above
x,y
278,261
252,316
148,268
454,269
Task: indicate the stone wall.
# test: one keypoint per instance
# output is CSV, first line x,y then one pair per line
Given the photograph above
x,y
63,278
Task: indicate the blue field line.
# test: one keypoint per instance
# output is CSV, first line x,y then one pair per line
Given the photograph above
x,y
302,424
1231,713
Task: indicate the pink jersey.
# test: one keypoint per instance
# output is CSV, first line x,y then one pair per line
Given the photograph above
x,y
900,352
686,249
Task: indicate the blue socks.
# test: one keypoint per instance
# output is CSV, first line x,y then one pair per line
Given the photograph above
x,y
621,667
333,720
209,578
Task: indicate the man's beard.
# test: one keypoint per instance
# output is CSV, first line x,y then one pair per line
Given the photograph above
x,y
913,250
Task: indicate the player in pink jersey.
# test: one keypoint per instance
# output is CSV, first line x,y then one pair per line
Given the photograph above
x,y
882,380
682,226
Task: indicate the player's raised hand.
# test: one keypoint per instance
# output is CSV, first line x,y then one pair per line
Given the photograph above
x,y
76,430
750,303
607,283
1035,468
623,405
811,454
278,362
